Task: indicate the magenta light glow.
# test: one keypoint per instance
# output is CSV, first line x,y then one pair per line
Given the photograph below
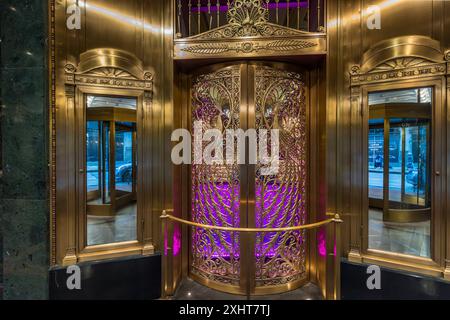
x,y
217,203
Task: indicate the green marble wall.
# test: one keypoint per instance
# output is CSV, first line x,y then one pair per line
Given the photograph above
x,y
24,130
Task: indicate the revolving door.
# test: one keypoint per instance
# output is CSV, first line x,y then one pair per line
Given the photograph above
x,y
400,161
231,194
110,155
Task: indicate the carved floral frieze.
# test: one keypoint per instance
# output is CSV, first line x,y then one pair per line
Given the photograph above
x,y
396,69
108,77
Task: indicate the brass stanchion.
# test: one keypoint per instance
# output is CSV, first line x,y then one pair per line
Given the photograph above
x,y
337,258
169,272
164,220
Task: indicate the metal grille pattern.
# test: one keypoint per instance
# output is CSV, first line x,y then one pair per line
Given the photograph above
x,y
216,188
281,198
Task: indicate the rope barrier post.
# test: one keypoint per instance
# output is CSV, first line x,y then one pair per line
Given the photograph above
x,y
169,272
337,258
164,220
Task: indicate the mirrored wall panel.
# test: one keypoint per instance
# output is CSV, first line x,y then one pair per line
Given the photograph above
x,y
111,148
399,166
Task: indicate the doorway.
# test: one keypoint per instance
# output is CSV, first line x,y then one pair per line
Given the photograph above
x,y
400,164
251,96
111,169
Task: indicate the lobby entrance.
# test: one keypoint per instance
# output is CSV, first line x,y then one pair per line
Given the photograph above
x,y
259,96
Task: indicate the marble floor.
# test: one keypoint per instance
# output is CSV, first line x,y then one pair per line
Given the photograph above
x,y
405,238
191,290
120,228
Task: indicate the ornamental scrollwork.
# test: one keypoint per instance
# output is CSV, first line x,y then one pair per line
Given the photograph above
x,y
247,18
280,103
70,68
355,69
447,55
401,63
248,47
108,77
396,69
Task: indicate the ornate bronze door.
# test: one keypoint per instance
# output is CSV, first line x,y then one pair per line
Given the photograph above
x,y
251,96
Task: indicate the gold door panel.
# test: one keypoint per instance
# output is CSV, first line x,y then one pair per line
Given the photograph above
x,y
251,96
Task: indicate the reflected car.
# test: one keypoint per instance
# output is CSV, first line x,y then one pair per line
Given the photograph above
x,y
378,163
412,178
124,173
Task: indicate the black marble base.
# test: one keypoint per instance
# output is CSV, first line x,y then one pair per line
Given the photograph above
x,y
191,290
131,278
395,285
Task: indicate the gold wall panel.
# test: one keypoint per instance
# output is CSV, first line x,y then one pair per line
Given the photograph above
x,y
352,43
141,32
144,29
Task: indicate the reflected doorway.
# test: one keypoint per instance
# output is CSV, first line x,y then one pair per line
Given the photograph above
x,y
111,169
399,163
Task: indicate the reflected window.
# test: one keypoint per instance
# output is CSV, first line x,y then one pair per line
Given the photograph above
x,y
111,169
399,164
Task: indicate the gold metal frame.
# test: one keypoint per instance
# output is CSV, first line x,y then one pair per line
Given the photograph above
x,y
109,72
400,63
312,116
143,46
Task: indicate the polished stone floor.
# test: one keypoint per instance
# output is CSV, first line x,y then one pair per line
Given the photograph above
x,y
405,238
120,228
191,290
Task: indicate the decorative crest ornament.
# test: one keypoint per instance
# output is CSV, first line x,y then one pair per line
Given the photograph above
x,y
401,58
248,18
106,67
252,34
447,55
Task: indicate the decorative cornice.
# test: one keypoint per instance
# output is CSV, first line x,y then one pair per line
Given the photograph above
x,y
402,52
108,77
399,59
248,47
401,63
421,70
259,47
